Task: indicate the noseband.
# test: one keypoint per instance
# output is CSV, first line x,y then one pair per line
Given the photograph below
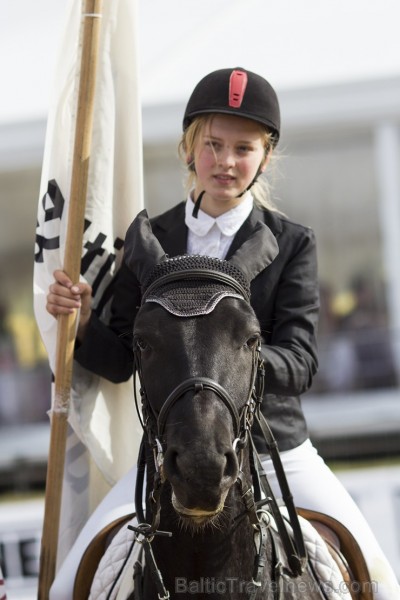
x,y
197,384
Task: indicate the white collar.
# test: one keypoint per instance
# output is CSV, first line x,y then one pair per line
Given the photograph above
x,y
228,223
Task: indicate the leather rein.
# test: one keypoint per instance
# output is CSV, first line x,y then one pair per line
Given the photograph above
x,y
255,495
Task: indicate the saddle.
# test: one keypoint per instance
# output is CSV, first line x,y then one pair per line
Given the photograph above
x,y
345,551
93,555
341,545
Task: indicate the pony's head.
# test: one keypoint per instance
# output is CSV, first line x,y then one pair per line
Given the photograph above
x,y
197,345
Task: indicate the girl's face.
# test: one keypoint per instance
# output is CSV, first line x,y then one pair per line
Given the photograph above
x,y
227,157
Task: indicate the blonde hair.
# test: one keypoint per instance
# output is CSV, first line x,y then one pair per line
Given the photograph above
x,y
260,189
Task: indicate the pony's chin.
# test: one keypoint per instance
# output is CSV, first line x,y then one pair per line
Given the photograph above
x,y
196,518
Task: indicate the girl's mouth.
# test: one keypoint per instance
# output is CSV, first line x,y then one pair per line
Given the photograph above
x,y
221,178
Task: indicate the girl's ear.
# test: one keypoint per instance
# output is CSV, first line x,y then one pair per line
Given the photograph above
x,y
190,162
266,160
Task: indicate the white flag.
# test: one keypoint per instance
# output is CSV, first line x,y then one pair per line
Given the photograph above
x,y
102,415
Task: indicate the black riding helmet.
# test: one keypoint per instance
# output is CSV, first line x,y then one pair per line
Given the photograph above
x,y
235,92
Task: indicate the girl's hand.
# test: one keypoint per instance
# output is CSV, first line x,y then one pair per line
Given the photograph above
x,y
65,297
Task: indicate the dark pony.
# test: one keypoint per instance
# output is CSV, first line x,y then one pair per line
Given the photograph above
x,y
197,350
212,527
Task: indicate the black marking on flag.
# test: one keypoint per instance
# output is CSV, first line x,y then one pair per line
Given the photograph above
x,y
93,249
52,211
54,193
102,272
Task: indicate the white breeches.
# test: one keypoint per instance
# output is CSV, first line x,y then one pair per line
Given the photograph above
x,y
313,486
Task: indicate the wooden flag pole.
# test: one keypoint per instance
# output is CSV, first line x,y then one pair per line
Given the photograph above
x,y
66,328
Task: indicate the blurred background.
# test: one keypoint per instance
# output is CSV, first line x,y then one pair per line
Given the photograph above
x,y
336,68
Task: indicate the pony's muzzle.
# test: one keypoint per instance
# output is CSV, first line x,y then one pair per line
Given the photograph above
x,y
200,479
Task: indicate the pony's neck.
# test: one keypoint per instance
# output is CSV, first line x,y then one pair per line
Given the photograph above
x,y
214,562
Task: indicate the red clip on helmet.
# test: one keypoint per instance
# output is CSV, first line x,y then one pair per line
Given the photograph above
x,y
235,92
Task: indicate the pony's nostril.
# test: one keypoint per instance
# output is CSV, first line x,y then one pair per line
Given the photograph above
x,y
171,461
231,465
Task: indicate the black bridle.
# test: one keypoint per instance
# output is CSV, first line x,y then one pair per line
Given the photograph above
x,y
154,426
153,423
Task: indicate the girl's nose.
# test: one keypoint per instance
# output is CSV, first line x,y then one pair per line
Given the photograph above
x,y
226,157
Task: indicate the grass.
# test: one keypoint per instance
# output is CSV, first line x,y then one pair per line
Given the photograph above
x,y
344,465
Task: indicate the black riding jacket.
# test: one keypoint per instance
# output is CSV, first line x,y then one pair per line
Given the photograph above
x,y
284,297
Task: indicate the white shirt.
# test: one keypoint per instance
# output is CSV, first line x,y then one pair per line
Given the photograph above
x,y
212,236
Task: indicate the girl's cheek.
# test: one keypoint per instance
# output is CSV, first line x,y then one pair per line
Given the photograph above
x,y
207,159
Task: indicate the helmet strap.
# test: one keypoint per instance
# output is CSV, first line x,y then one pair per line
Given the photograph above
x,y
196,208
256,176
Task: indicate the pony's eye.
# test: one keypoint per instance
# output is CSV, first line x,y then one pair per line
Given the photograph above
x,y
252,341
140,344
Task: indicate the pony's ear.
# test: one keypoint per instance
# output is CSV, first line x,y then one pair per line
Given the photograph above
x,y
257,252
142,249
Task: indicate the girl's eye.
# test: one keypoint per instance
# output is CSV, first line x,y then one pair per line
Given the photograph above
x,y
212,144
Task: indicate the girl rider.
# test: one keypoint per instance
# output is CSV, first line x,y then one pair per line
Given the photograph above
x,y
231,127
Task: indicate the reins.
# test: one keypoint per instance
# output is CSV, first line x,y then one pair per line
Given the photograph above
x,y
295,550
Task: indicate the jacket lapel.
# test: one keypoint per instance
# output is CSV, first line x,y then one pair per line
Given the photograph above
x,y
171,231
249,225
